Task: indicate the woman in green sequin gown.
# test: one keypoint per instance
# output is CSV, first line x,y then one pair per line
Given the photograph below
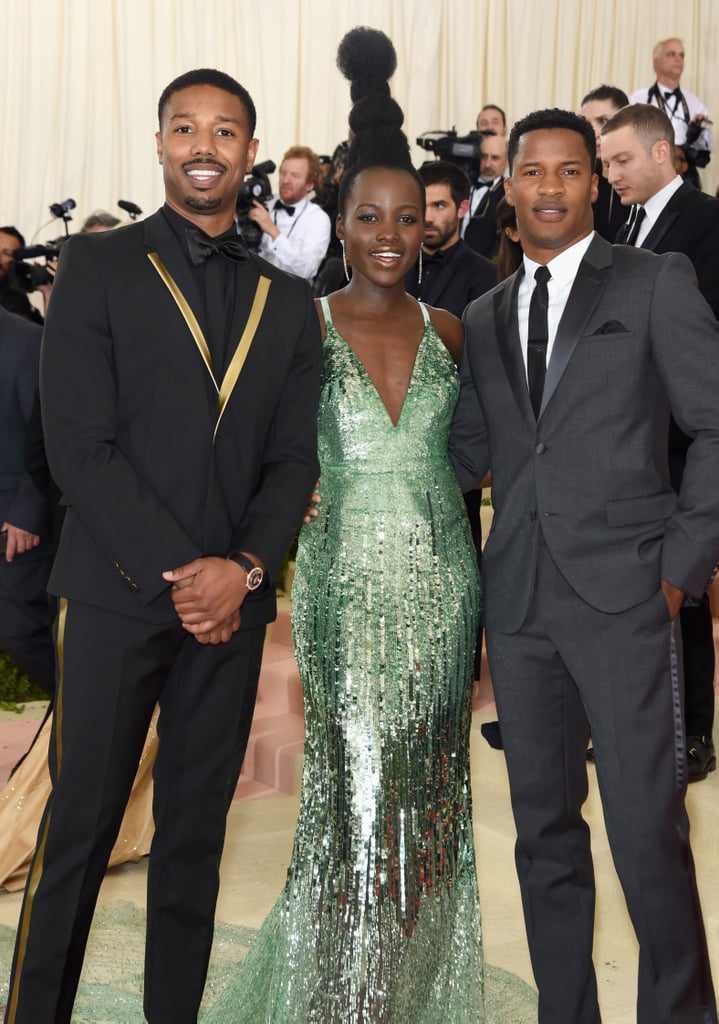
x,y
379,920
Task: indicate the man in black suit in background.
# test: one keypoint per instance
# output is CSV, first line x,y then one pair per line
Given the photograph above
x,y
452,274
179,384
26,556
638,154
479,226
670,215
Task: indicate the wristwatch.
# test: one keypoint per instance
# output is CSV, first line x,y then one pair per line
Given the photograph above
x,y
255,573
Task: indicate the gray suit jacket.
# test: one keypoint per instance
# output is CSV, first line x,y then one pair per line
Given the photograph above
x,y
592,473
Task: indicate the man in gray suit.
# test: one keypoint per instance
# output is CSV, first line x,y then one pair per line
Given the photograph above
x,y
569,379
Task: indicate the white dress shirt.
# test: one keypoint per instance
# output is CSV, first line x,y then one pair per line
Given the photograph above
x,y
478,194
654,206
675,112
303,240
563,269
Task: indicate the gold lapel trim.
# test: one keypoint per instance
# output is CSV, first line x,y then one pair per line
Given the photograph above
x,y
186,309
243,347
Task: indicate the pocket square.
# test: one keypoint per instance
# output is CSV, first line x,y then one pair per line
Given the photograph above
x,y
611,327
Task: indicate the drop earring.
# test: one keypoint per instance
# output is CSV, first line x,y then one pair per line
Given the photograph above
x,y
419,271
344,259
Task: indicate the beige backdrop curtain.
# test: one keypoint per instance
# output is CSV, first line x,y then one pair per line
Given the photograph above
x,y
82,77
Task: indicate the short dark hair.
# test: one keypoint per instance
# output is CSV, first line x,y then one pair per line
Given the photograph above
x,y
553,118
611,93
443,172
9,230
217,79
649,122
493,106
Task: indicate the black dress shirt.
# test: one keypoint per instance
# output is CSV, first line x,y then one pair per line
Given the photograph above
x,y
451,278
216,279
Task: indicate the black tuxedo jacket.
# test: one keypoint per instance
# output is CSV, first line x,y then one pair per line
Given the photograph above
x,y
463,276
481,234
158,462
689,223
592,473
22,504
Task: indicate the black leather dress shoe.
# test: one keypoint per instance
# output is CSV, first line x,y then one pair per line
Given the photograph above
x,y
700,757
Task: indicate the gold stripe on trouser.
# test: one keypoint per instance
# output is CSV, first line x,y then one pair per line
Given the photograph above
x,y
37,864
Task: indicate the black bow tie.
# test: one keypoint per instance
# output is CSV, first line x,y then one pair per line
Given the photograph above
x,y
675,92
201,247
279,205
436,258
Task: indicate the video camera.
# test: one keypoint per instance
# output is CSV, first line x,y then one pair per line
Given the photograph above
x,y
27,277
462,150
256,186
697,156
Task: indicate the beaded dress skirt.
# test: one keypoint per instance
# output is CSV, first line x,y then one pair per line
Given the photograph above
x,y
379,920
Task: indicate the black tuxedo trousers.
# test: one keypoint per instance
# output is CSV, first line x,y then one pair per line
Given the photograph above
x,y
96,744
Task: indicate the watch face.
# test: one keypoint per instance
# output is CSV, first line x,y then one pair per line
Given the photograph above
x,y
254,578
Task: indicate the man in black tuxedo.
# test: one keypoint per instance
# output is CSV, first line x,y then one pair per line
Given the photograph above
x,y
25,561
451,274
572,366
179,384
670,215
479,227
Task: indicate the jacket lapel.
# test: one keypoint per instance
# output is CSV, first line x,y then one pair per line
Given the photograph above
x,y
510,349
251,295
591,279
252,289
166,257
666,218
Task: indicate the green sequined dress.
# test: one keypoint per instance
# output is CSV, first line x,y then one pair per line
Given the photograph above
x,y
379,921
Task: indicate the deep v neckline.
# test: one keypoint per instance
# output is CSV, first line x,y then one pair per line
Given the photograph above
x,y
364,373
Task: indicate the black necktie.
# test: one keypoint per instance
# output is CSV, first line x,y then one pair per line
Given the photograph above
x,y
201,247
634,224
537,338
289,210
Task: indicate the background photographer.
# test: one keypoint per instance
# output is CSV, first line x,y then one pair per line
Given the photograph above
x,y
479,226
687,113
296,232
12,298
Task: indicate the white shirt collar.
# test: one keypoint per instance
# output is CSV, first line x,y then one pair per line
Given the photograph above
x,y
654,206
564,267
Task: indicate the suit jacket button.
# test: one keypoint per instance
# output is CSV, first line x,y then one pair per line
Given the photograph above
x,y
540,448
